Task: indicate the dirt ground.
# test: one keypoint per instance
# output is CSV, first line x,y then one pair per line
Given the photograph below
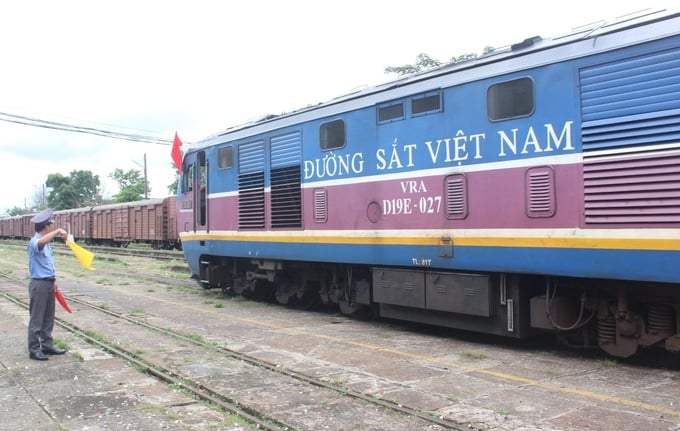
x,y
484,382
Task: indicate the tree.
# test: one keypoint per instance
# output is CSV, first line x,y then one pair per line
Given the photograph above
x,y
130,185
79,189
424,62
172,187
17,211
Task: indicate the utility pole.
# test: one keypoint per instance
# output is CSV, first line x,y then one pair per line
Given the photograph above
x,y
146,181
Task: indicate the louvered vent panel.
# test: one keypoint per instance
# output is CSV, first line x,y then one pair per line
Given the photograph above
x,y
320,205
456,197
540,186
286,196
251,211
631,102
286,150
633,188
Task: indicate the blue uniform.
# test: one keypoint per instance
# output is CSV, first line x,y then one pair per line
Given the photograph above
x,y
41,294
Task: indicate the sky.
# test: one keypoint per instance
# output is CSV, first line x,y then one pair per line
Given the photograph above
x,y
154,68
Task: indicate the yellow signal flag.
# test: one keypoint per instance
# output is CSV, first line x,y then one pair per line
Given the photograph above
x,y
85,257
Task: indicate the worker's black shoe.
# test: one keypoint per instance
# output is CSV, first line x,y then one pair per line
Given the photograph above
x,y
53,351
38,356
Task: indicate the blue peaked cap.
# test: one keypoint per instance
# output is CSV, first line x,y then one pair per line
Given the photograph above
x,y
43,216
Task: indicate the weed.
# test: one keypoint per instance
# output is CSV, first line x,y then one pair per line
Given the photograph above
x,y
137,312
195,337
502,411
61,344
608,363
473,355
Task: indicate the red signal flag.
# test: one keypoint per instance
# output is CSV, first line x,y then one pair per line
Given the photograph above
x,y
61,299
176,153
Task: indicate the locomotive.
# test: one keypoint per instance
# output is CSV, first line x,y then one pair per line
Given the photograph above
x,y
149,221
531,190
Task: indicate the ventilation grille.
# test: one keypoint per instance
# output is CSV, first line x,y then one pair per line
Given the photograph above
x,y
320,205
633,188
251,209
456,197
286,197
540,186
631,102
251,201
391,112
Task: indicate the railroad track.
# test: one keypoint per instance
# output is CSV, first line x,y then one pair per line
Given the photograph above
x,y
377,364
60,247
229,358
138,252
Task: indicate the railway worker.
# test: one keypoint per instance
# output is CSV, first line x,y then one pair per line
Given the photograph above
x,y
41,287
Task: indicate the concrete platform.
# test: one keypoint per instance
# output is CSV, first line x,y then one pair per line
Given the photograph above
x,y
86,389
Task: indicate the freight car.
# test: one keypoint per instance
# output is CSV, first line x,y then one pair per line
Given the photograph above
x,y
150,221
531,190
11,227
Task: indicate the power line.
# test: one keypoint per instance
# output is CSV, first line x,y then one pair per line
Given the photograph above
x,y
36,122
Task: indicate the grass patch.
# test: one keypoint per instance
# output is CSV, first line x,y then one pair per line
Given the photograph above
x,y
60,344
341,381
137,312
338,381
195,337
608,363
473,355
502,411
98,337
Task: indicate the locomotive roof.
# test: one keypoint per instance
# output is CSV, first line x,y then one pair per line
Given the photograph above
x,y
527,46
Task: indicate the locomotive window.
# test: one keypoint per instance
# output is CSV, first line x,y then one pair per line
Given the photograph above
x,y
225,157
510,99
425,104
332,135
188,178
388,113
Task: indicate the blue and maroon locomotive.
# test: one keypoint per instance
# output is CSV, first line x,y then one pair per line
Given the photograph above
x,y
533,189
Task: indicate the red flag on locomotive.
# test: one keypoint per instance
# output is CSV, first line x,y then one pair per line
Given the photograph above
x,y
176,153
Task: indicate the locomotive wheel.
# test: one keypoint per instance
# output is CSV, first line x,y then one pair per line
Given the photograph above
x,y
356,311
285,288
307,301
260,290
